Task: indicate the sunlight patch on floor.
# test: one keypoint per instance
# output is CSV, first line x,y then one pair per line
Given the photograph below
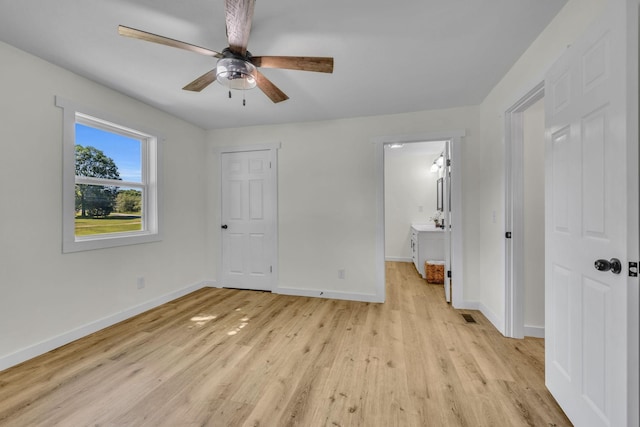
x,y
202,320
243,322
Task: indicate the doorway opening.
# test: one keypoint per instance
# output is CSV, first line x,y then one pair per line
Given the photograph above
x,y
452,221
414,193
524,216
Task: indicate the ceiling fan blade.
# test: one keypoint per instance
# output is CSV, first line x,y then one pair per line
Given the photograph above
x,y
201,82
304,63
239,14
269,89
143,35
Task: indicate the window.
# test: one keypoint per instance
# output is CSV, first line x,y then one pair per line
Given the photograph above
x,y
110,182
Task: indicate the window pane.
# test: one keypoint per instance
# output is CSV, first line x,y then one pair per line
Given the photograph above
x,y
106,209
102,154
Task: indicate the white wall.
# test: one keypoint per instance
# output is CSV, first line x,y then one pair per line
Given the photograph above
x,y
327,195
46,296
528,71
410,195
533,173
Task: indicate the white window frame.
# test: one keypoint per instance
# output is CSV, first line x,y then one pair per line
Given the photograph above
x,y
150,183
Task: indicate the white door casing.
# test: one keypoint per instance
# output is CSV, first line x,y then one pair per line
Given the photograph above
x,y
248,219
514,213
587,215
446,186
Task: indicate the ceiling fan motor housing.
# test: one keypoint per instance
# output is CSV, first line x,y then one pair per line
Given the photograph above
x,y
235,71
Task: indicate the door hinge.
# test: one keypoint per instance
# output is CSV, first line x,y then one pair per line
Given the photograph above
x,y
449,274
271,269
448,162
633,269
507,235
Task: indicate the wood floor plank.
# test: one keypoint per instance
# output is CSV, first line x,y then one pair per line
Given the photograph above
x,y
221,357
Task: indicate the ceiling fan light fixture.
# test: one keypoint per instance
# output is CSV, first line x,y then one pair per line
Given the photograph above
x,y
236,73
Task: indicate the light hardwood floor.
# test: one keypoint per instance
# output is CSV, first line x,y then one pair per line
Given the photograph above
x,y
220,357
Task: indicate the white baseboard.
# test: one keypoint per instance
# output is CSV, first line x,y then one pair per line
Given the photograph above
x,y
398,259
497,321
328,294
491,316
529,331
47,345
534,331
468,305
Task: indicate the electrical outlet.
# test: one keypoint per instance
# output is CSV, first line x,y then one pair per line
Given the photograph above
x,y
140,283
341,274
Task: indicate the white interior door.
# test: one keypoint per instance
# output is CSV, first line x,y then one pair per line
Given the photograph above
x,y
446,186
248,220
587,217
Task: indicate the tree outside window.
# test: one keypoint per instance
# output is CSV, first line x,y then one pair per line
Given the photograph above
x,y
94,201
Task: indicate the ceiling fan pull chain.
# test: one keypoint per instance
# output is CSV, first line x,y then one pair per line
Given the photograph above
x,y
229,94
244,101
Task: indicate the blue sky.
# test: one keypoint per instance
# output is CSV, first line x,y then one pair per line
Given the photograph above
x,y
124,151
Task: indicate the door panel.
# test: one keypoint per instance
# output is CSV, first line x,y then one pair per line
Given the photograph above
x,y
560,154
248,211
586,215
595,186
233,249
596,303
560,340
256,201
234,199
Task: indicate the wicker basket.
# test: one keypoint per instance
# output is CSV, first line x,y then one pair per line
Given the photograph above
x,y
434,271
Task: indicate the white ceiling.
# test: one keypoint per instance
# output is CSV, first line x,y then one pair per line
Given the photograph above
x,y
390,56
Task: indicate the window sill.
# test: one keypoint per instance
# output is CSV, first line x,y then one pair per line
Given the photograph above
x,y
108,241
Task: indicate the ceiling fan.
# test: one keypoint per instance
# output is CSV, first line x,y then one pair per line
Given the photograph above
x,y
236,67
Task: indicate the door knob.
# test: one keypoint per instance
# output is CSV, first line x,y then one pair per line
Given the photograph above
x,y
614,265
224,227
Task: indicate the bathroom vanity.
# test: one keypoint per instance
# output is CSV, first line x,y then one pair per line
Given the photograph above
x,y
427,243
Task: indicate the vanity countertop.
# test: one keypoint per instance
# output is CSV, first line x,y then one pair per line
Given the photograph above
x,y
426,227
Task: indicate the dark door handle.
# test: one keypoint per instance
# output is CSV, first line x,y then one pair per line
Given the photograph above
x,y
614,265
224,227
